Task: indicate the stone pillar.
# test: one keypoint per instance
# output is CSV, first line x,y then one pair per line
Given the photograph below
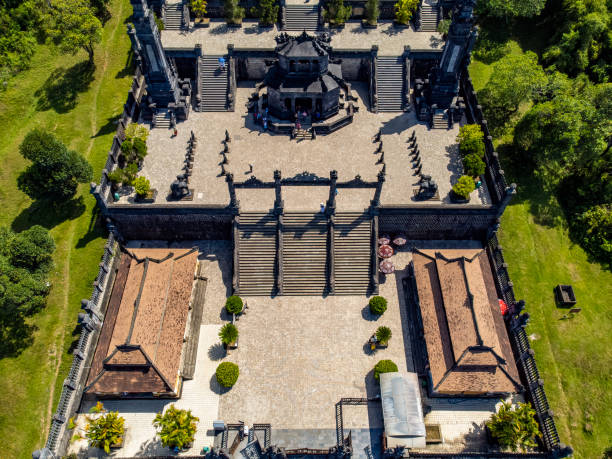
x,y
510,191
278,197
234,203
381,179
331,201
373,94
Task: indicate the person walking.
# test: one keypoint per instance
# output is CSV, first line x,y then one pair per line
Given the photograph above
x,y
221,63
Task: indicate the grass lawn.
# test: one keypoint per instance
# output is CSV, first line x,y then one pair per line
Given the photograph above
x,y
573,354
80,105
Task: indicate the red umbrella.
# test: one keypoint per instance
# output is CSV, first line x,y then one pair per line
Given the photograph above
x,y
384,239
385,251
399,240
386,267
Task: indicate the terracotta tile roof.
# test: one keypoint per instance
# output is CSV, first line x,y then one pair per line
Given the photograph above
x,y
143,335
466,340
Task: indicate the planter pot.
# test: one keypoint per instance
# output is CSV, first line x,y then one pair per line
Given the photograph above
x,y
382,345
235,24
119,444
265,26
334,25
202,22
368,25
399,25
456,199
148,199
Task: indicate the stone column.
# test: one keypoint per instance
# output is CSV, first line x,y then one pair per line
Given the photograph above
x,y
331,201
510,191
278,197
234,203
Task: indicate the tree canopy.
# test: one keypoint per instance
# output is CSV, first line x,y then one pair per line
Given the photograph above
x,y
511,8
55,171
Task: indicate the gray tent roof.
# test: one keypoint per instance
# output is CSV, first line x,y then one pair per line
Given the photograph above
x,y
401,403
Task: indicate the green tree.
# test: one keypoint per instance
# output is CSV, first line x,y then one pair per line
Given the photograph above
x,y
404,9
509,9
372,11
514,427
227,374
384,366
471,140
228,334
474,166
31,249
515,79
266,11
73,25
177,427
55,171
233,11
383,334
198,8
464,186
142,186
594,226
337,13
105,431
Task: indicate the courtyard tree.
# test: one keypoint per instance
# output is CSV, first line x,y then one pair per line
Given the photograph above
x,y
31,249
228,334
227,374
514,427
378,305
55,171
142,186
337,13
73,25
384,366
234,304
471,140
404,10
372,11
266,11
198,8
508,9
176,427
464,186
105,431
233,12
383,335
473,165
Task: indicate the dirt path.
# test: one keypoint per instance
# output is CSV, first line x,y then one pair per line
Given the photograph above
x,y
61,332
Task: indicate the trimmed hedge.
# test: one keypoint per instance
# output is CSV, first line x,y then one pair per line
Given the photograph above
x,y
378,305
227,374
384,366
234,304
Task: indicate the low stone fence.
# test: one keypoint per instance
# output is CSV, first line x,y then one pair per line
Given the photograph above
x,y
91,320
515,323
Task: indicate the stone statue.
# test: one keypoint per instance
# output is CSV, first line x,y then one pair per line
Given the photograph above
x,y
180,187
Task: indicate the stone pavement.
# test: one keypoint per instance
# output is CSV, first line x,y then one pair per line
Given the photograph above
x,y
349,150
215,38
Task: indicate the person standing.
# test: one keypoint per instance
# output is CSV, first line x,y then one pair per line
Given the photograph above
x,y
221,63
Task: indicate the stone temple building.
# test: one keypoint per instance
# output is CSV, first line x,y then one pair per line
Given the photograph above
x,y
305,169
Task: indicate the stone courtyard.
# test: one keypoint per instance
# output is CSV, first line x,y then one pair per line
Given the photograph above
x,y
266,152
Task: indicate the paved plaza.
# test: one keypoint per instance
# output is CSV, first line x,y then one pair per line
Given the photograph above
x,y
349,150
215,38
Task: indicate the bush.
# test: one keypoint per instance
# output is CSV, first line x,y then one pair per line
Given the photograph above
x,y
594,227
233,304
228,334
105,431
136,131
337,13
31,249
142,186
444,26
404,9
267,12
233,12
139,149
464,186
378,305
471,140
473,165
514,427
372,11
198,8
227,374
383,334
384,366
177,427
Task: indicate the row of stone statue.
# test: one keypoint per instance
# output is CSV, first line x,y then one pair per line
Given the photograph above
x,y
427,187
179,189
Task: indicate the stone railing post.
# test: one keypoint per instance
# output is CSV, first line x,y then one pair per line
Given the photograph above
x,y
278,197
406,102
331,280
231,75
331,201
373,93
236,252
279,255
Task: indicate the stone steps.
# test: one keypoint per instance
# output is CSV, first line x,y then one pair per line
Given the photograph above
x,y
174,16
162,119
257,253
352,253
213,84
390,83
301,17
429,17
440,120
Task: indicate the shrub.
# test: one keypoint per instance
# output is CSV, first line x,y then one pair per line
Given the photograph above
x,y
384,366
372,11
233,304
233,12
514,427
378,305
198,8
383,334
31,249
471,140
136,131
464,186
404,9
227,374
228,334
105,431
266,11
139,149
116,176
444,26
336,12
142,186
594,227
473,165
177,427
129,174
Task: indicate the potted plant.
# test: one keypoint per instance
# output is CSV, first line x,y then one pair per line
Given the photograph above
x,y
378,305
198,8
227,374
106,431
471,140
404,9
461,190
229,335
515,427
371,14
234,13
234,304
337,13
177,428
267,12
383,335
144,192
384,366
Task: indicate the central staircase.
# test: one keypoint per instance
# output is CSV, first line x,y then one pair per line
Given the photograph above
x,y
352,253
440,119
429,17
390,83
163,118
304,254
174,16
302,17
213,84
257,254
